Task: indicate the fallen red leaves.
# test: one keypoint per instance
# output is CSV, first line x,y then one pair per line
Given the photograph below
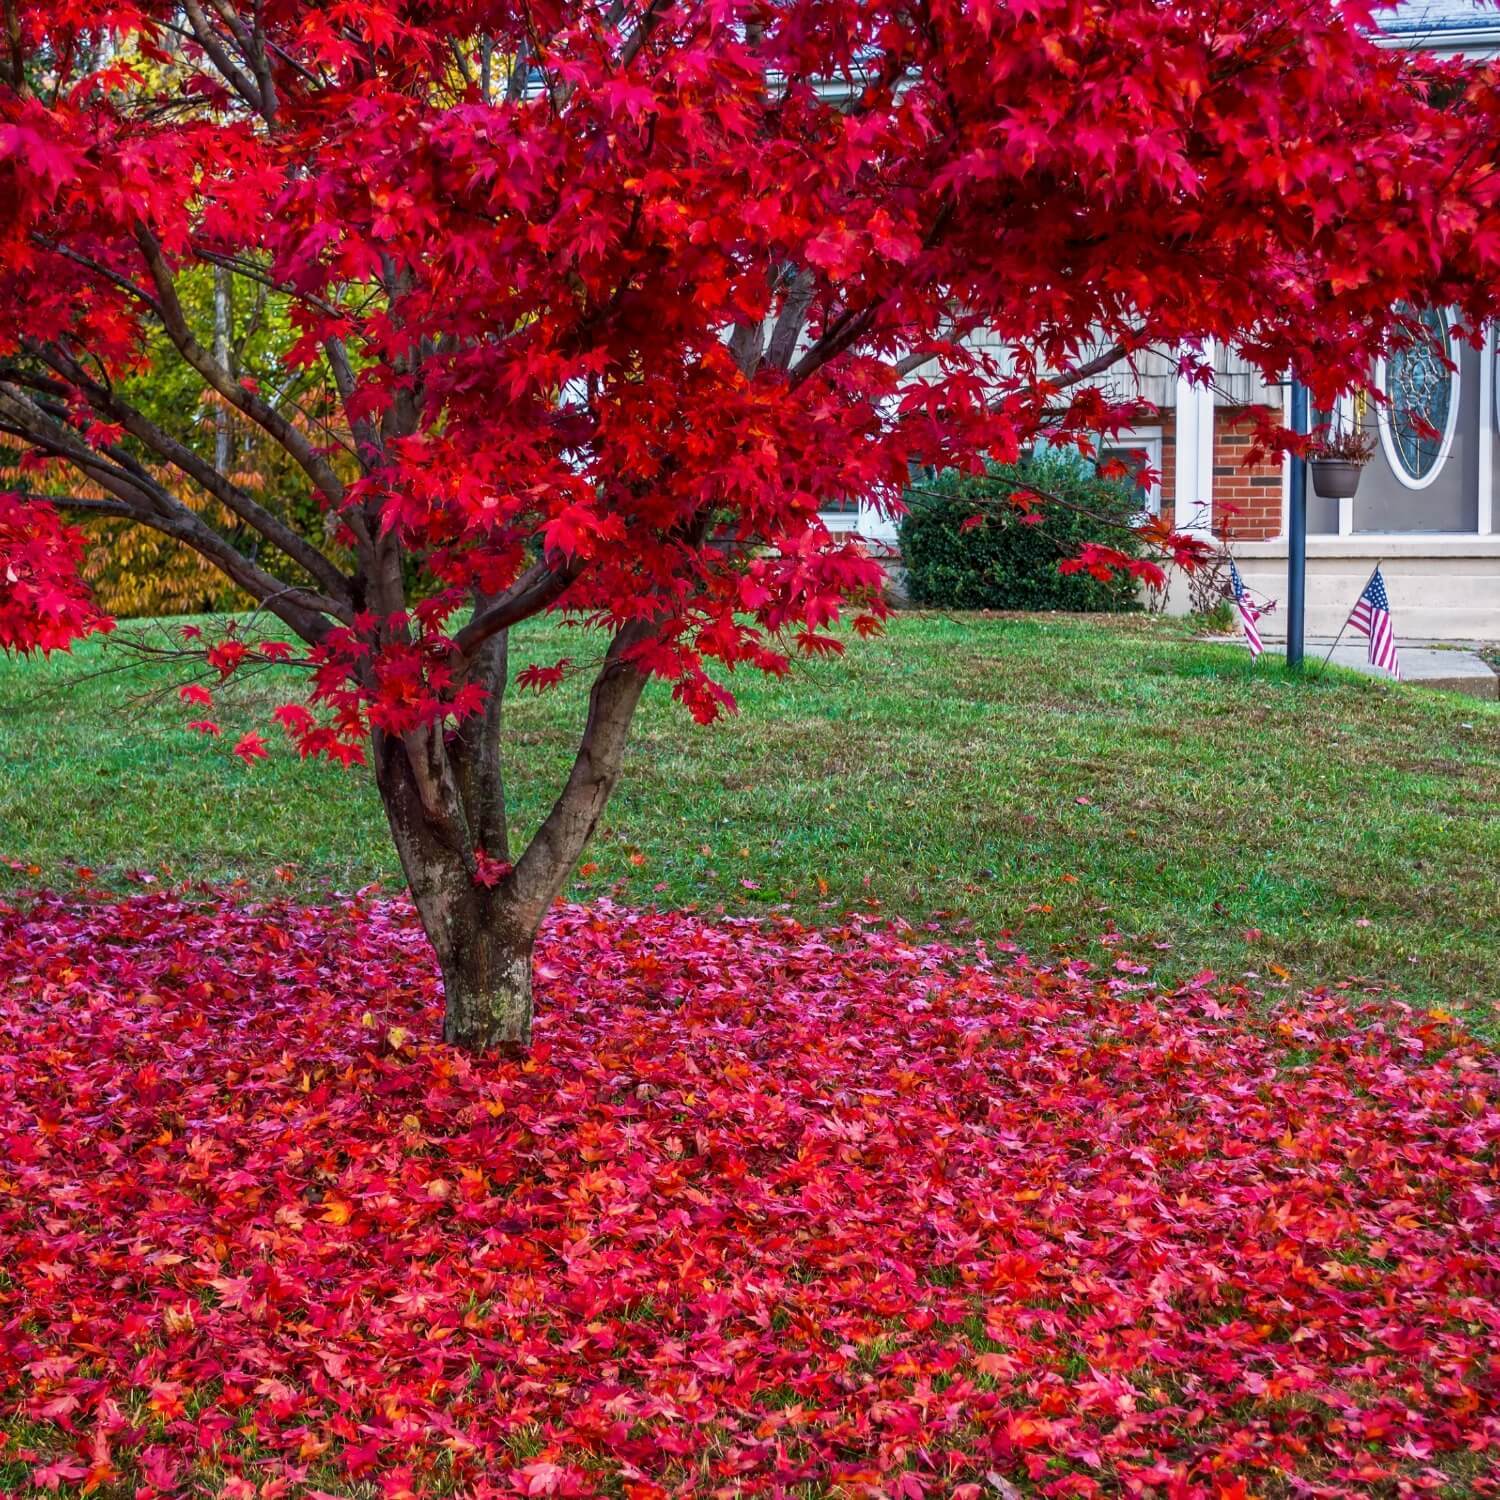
x,y
768,1208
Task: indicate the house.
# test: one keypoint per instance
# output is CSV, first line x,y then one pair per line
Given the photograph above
x,y
1426,510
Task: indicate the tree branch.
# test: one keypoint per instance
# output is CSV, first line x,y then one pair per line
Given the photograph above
x,y
252,44
227,493
218,53
1086,371
637,39
124,283
539,586
846,330
520,71
476,750
255,273
312,463
789,321
540,872
147,503
851,325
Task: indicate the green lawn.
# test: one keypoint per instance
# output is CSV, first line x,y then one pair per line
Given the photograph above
x,y
1047,775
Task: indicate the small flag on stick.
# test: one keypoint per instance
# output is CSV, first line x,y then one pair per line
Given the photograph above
x,y
1371,616
1248,612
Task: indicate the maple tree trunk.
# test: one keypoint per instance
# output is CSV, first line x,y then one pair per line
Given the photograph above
x,y
445,802
487,987
482,939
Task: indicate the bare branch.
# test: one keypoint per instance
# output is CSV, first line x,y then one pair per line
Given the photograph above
x,y
92,504
746,345
368,447
252,45
845,330
255,273
32,422
113,277
539,586
911,363
461,63
15,69
146,502
475,749
914,362
788,326
296,66
1088,369
542,869
851,325
233,75
520,71
227,493
637,39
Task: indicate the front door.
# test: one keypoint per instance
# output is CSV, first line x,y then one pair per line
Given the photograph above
x,y
1425,472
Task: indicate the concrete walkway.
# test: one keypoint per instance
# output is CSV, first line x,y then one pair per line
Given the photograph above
x,y
1454,666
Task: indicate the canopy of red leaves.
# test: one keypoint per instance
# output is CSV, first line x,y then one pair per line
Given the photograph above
x,y
602,332
43,604
769,1207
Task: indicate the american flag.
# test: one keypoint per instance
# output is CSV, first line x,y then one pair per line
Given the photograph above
x,y
1371,616
1248,612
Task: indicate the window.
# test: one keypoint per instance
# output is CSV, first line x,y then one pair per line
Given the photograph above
x,y
839,516
1417,424
1139,449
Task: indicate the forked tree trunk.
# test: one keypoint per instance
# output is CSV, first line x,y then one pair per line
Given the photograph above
x,y
445,803
483,942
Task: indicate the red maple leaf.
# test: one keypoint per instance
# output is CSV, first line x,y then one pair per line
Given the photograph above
x,y
250,748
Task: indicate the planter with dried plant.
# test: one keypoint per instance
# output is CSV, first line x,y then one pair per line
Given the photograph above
x,y
1337,459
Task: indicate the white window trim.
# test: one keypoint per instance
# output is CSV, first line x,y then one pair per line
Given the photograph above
x,y
1347,415
1196,433
836,522
1382,418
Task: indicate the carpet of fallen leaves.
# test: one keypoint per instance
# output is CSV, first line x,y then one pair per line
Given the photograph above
x,y
771,1211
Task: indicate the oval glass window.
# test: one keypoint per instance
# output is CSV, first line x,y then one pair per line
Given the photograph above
x,y
1416,428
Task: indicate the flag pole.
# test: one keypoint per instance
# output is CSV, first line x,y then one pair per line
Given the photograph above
x,y
1296,551
1342,628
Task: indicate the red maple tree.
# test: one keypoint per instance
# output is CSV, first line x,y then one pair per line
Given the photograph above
x,y
608,298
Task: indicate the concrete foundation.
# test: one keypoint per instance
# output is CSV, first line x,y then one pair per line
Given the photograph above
x,y
1441,588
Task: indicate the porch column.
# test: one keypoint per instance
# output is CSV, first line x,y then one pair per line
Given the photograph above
x,y
1485,524
1195,454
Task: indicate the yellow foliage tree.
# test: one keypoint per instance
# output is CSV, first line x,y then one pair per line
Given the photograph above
x,y
132,570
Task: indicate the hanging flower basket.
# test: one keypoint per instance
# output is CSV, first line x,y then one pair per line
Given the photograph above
x,y
1336,478
1337,459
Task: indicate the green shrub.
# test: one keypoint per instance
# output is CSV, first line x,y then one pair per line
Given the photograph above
x,y
1006,562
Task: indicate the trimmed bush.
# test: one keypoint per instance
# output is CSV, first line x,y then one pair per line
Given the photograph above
x,y
1006,561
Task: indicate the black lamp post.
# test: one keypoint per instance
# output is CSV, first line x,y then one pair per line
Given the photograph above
x,y
1296,536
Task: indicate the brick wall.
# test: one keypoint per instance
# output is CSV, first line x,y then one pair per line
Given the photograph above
x,y
1247,499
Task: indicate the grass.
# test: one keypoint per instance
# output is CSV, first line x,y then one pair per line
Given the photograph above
x,y
1048,776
